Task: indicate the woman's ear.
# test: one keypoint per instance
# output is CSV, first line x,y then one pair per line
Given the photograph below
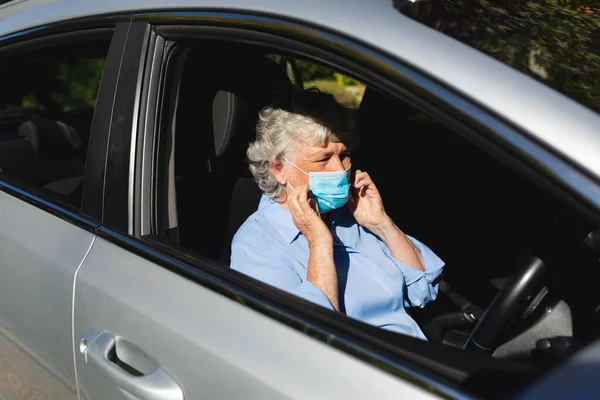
x,y
278,170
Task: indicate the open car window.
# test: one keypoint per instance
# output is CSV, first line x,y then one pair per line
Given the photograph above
x,y
490,232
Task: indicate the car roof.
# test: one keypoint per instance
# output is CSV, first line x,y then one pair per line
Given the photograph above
x,y
549,116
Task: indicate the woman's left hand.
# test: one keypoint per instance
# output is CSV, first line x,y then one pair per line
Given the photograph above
x,y
366,204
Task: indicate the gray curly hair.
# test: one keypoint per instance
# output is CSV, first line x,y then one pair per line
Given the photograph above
x,y
307,116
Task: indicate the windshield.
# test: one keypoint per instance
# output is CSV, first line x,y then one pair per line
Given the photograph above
x,y
555,41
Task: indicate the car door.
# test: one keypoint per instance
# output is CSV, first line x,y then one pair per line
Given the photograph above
x,y
152,321
40,256
46,228
149,333
149,326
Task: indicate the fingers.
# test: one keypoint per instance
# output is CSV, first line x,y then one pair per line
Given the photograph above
x,y
303,200
363,180
299,201
293,205
304,213
308,204
294,198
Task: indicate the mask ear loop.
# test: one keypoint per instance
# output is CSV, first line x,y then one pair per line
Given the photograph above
x,y
297,167
317,204
301,170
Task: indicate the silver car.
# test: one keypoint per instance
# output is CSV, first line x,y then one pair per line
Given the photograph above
x,y
123,126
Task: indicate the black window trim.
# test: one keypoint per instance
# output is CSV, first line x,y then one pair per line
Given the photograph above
x,y
47,204
402,79
97,156
88,216
119,195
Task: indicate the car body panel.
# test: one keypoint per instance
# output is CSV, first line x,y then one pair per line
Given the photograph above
x,y
213,346
577,378
40,256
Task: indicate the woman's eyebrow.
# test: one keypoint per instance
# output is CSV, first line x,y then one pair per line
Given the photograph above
x,y
319,155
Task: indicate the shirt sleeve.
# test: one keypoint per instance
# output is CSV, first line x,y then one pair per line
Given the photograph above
x,y
273,267
421,287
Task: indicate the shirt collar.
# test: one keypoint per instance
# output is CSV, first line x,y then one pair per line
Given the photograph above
x,y
281,218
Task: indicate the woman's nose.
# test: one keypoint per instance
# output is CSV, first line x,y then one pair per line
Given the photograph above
x,y
337,164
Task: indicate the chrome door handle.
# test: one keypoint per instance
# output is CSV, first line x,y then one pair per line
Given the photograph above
x,y
99,347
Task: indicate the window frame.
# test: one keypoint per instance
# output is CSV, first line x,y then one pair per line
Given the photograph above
x,y
124,130
88,215
484,128
489,131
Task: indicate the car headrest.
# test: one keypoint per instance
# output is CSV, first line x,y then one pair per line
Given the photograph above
x,y
51,139
241,96
228,114
233,88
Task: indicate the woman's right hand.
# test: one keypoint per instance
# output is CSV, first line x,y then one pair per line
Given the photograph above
x,y
307,219
321,266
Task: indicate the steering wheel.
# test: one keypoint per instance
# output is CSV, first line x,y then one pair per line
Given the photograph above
x,y
508,305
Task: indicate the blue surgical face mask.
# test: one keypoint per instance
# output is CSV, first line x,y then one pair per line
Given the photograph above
x,y
329,189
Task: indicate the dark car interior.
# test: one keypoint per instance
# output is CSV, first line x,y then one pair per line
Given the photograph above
x,y
44,133
521,265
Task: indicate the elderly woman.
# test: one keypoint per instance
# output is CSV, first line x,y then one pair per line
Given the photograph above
x,y
321,231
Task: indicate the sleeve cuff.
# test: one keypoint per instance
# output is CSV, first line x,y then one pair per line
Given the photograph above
x,y
421,285
308,291
432,263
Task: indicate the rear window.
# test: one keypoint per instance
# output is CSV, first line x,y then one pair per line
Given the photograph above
x,y
555,41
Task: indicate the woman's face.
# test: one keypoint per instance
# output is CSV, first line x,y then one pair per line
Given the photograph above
x,y
333,156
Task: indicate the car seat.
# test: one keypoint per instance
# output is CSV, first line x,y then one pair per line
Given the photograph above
x,y
218,104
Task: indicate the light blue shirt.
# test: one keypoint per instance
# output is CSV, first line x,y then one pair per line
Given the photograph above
x,y
373,286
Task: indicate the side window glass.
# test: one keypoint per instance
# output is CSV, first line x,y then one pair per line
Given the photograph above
x,y
46,108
